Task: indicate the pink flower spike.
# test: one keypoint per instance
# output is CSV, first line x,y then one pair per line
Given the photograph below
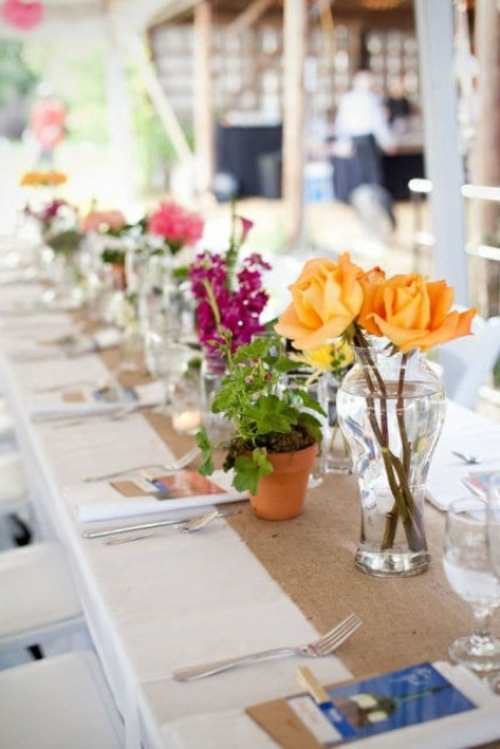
x,y
246,225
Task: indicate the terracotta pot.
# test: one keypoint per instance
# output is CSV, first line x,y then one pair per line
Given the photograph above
x,y
119,276
281,495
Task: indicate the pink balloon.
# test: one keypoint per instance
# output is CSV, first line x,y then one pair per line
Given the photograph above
x,y
22,15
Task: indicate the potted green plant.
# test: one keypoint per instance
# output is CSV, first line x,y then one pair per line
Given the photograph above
x,y
275,426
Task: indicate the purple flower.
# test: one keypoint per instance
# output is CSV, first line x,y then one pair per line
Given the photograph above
x,y
229,304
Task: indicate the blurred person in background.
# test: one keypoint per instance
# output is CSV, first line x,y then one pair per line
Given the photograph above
x,y
361,135
47,125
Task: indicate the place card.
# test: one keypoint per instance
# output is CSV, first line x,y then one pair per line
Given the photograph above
x,y
73,396
172,486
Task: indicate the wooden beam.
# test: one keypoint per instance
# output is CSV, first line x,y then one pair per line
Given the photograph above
x,y
443,161
203,98
249,16
294,117
158,98
486,156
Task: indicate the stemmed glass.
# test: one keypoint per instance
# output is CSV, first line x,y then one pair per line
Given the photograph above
x,y
493,538
469,571
167,359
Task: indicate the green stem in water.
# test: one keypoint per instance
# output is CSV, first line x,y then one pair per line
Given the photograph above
x,y
397,471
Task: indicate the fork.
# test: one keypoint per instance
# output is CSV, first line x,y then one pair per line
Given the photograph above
x,y
188,526
471,460
325,645
172,465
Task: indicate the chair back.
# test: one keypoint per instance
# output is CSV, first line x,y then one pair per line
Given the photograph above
x,y
468,361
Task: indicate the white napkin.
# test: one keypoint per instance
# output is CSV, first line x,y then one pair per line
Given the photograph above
x,y
100,501
48,406
68,344
466,432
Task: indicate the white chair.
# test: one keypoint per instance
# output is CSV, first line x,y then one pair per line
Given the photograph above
x,y
38,597
59,703
7,425
15,507
467,361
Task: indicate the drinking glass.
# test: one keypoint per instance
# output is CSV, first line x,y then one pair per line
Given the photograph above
x,y
493,537
469,571
166,359
494,522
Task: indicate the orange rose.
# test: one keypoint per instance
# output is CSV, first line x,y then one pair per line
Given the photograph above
x,y
413,313
326,298
98,220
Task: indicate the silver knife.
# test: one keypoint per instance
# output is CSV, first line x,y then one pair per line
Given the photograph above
x,y
153,524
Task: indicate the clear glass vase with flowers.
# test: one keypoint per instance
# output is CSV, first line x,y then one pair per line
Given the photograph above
x,y
390,405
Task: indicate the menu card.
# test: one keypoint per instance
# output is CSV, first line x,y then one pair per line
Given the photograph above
x,y
385,710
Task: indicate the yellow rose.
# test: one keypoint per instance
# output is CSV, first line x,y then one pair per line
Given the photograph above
x,y
326,298
413,313
328,358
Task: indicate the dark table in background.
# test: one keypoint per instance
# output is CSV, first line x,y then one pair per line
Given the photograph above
x,y
252,155
241,151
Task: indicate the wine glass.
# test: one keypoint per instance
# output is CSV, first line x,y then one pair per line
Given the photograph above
x,y
470,573
493,538
167,359
494,521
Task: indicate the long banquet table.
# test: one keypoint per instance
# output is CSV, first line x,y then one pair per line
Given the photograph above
x,y
241,584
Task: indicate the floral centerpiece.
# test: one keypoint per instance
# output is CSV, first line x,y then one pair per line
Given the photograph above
x,y
43,178
175,225
390,411
267,418
104,222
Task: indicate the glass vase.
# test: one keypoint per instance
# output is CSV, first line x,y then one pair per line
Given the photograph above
x,y
213,369
335,455
391,410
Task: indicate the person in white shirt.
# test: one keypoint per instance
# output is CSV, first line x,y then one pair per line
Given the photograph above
x,y
361,135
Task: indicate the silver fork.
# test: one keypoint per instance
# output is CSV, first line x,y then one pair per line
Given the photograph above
x,y
188,526
172,465
325,645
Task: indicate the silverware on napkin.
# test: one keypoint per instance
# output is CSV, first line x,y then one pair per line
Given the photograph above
x,y
195,522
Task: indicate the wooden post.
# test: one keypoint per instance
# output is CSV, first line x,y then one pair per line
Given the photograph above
x,y
294,118
121,136
203,99
158,98
443,160
486,156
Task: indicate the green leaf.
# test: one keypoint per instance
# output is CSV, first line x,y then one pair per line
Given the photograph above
x,y
272,414
250,469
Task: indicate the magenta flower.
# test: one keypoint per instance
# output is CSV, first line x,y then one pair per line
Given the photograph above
x,y
227,304
176,225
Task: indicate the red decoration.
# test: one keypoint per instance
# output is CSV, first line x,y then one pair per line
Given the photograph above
x,y
22,15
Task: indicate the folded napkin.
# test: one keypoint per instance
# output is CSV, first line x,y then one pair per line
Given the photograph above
x,y
466,432
101,501
68,344
89,401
